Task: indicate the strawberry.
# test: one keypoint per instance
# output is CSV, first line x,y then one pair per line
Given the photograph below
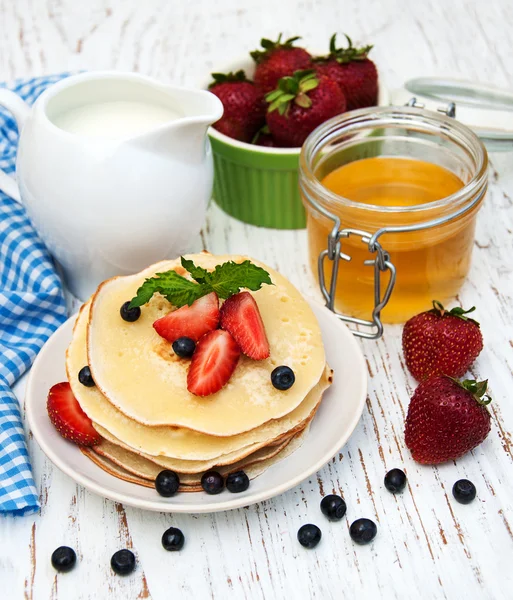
x,y
244,106
441,342
353,71
68,417
278,60
446,419
213,363
300,104
192,321
241,318
263,137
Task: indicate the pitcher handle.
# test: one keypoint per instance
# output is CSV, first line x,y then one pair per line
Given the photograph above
x,y
20,111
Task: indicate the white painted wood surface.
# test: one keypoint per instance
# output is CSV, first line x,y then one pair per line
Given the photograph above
x,y
428,546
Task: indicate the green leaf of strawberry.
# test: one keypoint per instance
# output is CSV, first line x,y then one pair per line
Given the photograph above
x,y
477,389
346,55
457,311
292,88
231,77
269,46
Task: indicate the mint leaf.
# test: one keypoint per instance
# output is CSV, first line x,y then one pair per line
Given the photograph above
x,y
144,293
200,274
178,290
226,279
229,278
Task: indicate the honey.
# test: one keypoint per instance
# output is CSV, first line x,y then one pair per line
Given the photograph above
x,y
434,268
416,178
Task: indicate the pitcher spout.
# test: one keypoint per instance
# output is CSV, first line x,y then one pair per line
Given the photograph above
x,y
183,137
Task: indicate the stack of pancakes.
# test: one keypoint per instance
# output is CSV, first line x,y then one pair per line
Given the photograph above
x,y
143,411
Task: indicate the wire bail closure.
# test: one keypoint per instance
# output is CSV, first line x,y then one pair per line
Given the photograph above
x,y
381,263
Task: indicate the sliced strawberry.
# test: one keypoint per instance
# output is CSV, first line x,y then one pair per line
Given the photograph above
x,y
213,363
241,317
68,417
192,321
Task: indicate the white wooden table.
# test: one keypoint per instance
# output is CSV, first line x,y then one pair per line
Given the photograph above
x,y
428,546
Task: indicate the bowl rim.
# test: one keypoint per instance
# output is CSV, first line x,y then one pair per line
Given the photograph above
x,y
383,100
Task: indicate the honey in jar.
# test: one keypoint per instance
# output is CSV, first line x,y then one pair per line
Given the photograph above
x,y
423,194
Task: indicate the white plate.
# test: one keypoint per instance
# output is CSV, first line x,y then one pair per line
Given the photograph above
x,y
334,422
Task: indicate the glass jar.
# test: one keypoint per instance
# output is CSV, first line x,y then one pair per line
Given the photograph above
x,y
379,263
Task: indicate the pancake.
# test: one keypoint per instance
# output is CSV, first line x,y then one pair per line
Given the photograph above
x,y
252,471
174,442
197,466
147,469
138,373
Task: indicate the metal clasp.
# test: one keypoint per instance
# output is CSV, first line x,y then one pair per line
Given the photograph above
x,y
449,109
381,263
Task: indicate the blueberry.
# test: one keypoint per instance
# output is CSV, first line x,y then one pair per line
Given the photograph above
x,y
283,378
237,482
173,539
123,562
167,483
64,559
395,481
464,491
85,377
309,535
212,482
184,347
334,507
129,314
363,531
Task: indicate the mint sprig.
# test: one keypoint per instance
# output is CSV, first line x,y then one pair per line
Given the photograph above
x,y
226,279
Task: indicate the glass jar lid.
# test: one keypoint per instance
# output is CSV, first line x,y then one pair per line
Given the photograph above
x,y
486,109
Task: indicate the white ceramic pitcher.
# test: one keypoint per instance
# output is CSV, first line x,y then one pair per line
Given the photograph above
x,y
112,194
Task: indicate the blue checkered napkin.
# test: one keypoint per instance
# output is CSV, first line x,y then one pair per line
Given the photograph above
x,y
31,307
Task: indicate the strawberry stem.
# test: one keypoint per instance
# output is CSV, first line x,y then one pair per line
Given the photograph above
x,y
457,311
476,388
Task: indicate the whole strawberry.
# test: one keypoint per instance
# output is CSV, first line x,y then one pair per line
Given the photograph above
x,y
441,342
300,104
278,60
446,419
353,71
244,106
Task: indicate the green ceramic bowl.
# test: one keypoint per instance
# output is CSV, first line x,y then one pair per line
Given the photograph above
x,y
256,184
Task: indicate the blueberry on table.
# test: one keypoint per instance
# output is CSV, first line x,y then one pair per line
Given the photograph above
x,y
464,491
309,535
64,559
237,482
395,481
123,562
333,507
85,377
363,531
283,378
129,314
184,347
167,483
173,539
212,482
